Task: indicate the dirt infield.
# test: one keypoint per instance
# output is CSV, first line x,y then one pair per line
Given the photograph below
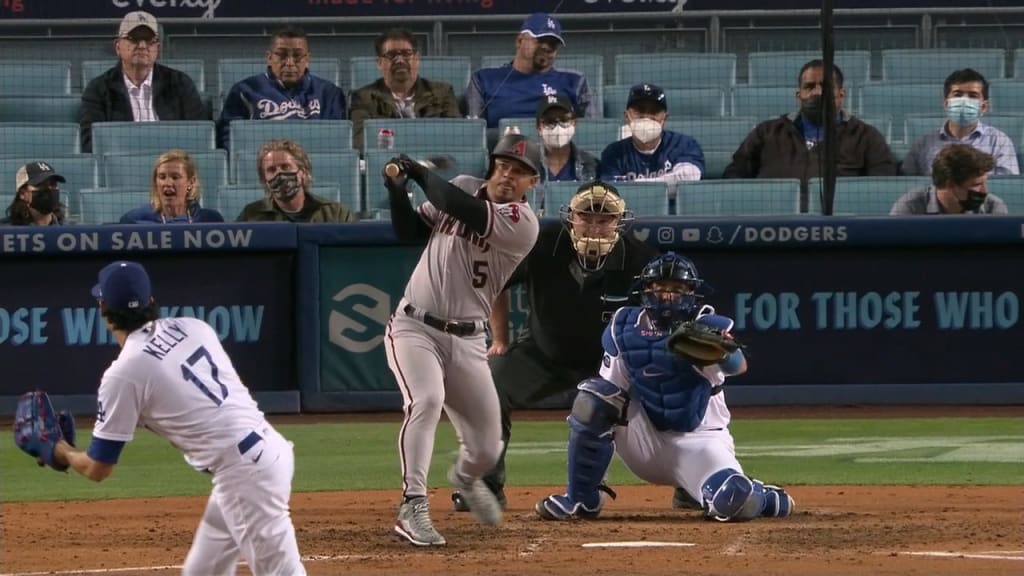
x,y
838,530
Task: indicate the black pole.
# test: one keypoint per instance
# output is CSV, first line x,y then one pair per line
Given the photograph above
x,y
829,145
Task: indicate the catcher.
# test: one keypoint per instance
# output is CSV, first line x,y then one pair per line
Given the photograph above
x,y
659,403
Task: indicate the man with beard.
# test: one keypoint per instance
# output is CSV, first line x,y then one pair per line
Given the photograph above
x,y
286,91
512,90
286,174
137,88
788,146
400,92
37,197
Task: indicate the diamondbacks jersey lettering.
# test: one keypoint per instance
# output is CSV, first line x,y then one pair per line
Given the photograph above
x,y
174,377
488,260
622,161
503,92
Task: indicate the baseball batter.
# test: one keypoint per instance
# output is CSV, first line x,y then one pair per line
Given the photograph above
x,y
173,377
665,416
479,231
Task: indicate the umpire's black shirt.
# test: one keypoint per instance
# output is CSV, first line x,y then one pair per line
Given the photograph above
x,y
570,307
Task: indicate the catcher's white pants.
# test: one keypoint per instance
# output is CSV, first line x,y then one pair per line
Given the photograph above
x,y
247,515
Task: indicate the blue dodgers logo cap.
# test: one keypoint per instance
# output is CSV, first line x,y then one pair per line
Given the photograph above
x,y
123,286
649,93
540,25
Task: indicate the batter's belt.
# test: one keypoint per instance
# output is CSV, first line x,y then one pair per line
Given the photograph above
x,y
455,328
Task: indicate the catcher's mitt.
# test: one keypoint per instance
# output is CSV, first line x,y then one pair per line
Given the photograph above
x,y
702,344
37,428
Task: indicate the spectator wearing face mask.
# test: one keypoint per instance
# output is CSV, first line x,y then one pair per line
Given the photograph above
x,y
286,174
651,152
959,186
556,124
788,146
36,197
966,101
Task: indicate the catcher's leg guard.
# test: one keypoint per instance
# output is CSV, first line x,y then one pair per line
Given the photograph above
x,y
731,496
598,407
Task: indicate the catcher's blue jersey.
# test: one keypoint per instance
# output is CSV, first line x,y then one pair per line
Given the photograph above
x,y
621,160
673,392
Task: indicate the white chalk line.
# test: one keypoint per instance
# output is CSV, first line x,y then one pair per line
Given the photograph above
x,y
310,558
994,555
638,544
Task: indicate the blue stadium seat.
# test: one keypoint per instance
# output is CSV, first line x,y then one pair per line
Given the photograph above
x,y
136,137
763,102
882,123
35,77
463,161
934,65
679,70
315,136
708,101
136,170
714,132
339,170
195,69
643,198
898,100
32,139
864,195
428,133
39,109
715,162
919,125
1006,96
527,126
1018,64
80,170
230,200
451,69
231,70
107,205
1011,190
591,65
551,196
782,68
746,197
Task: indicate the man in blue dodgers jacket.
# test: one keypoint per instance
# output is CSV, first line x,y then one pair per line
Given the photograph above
x,y
664,416
512,90
651,153
286,91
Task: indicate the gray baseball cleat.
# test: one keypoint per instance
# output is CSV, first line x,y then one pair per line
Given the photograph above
x,y
481,501
414,524
460,505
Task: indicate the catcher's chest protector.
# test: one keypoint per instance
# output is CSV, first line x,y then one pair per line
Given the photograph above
x,y
673,393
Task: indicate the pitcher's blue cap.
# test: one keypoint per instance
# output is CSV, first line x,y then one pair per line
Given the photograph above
x,y
123,285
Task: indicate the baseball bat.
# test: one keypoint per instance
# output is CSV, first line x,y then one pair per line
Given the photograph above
x,y
441,162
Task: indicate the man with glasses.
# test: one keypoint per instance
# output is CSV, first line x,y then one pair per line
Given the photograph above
x,y
556,124
137,88
286,91
512,90
400,92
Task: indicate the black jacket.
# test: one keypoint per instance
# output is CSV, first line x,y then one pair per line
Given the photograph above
x,y
567,318
106,99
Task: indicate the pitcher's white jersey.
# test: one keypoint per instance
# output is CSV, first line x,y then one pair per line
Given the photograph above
x,y
174,377
460,273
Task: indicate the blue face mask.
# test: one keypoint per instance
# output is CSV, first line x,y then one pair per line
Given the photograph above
x,y
963,111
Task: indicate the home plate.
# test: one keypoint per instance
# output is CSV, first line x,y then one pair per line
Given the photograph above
x,y
639,544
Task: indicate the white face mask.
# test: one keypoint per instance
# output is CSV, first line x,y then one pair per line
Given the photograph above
x,y
557,137
645,130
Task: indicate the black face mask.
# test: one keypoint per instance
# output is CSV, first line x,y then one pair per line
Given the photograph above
x,y
45,201
284,185
812,109
974,200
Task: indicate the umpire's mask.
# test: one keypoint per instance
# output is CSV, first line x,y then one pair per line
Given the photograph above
x,y
595,218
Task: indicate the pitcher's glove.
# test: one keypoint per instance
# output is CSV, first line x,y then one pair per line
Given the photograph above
x,y
37,428
702,344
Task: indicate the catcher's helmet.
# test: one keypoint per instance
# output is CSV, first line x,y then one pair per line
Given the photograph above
x,y
679,307
516,147
593,240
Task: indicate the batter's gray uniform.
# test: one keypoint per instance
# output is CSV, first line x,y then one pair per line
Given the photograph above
x,y
435,342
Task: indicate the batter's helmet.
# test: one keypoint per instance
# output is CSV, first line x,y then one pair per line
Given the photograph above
x,y
517,147
680,307
593,240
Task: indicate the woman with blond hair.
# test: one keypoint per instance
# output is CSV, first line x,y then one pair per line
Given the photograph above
x,y
174,194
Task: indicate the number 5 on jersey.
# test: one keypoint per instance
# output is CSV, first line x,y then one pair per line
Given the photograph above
x,y
190,376
479,273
